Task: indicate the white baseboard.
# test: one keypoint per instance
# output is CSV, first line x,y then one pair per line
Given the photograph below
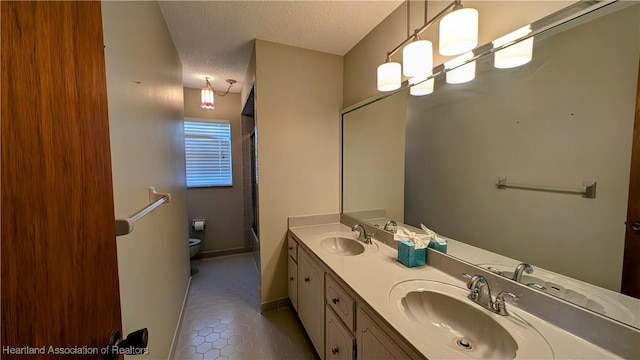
x,y
174,343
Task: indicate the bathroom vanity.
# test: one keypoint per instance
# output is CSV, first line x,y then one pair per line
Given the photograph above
x,y
367,305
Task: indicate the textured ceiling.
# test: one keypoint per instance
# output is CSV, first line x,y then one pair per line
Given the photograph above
x,y
214,38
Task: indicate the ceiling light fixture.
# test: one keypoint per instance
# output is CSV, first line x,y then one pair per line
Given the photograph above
x,y
459,34
207,94
457,74
516,54
458,31
421,87
389,78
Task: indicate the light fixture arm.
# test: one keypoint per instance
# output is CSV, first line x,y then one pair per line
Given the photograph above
x,y
231,82
456,4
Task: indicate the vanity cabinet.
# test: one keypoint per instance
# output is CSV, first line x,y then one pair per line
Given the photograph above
x,y
339,323
292,275
311,299
340,343
374,342
292,278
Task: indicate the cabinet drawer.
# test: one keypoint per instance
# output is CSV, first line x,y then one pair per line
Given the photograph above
x,y
292,278
340,302
339,341
293,248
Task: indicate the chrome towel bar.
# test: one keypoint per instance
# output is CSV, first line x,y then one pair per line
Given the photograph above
x,y
588,189
125,226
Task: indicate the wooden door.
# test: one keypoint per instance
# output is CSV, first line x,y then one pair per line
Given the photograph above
x,y
631,263
59,267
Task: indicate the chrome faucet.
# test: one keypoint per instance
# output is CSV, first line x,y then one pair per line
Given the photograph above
x,y
392,223
481,294
362,234
480,291
522,267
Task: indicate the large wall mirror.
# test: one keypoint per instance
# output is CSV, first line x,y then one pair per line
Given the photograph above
x,y
564,118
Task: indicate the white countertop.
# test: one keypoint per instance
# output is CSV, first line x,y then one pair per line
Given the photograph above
x,y
624,308
373,273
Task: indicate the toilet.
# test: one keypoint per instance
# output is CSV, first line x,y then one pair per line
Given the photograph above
x,y
194,246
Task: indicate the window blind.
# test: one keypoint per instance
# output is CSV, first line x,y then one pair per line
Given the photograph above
x,y
208,153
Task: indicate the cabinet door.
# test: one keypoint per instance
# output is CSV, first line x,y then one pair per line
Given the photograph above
x,y
339,341
311,299
374,343
293,283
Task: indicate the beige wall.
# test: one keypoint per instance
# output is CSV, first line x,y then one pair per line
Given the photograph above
x,y
373,157
221,207
298,102
563,118
249,78
496,18
144,84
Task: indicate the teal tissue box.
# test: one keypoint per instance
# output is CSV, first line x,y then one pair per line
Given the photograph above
x,y
409,256
435,246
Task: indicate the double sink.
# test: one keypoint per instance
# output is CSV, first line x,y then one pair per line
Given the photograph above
x,y
447,318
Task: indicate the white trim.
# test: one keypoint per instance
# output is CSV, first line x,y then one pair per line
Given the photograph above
x,y
174,343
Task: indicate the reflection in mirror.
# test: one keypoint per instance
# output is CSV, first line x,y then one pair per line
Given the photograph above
x,y
565,117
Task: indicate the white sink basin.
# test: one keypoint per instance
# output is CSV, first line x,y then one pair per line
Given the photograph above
x,y
570,291
342,246
462,328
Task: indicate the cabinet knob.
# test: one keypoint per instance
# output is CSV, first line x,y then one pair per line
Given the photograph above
x,y
290,247
290,278
335,350
335,300
306,279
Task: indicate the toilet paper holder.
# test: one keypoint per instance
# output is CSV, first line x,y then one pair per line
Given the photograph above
x,y
198,224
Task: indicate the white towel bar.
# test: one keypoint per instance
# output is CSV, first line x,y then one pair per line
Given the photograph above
x,y
588,189
125,226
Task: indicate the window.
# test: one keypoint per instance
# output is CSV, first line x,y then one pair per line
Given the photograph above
x,y
207,148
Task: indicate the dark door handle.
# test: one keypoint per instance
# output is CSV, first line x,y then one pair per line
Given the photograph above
x,y
134,344
635,226
335,350
307,279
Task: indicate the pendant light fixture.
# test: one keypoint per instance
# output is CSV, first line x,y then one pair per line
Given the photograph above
x,y
207,94
516,54
461,74
207,100
417,59
461,28
458,31
389,78
420,87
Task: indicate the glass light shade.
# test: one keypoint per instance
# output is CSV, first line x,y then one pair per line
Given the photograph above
x,y
421,87
206,97
459,32
389,76
462,74
515,55
417,59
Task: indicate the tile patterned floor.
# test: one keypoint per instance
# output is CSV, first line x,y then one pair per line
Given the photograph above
x,y
222,318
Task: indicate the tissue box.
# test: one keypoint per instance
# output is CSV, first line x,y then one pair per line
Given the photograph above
x,y
409,256
435,246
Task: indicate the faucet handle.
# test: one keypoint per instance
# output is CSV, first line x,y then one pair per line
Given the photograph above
x,y
500,305
511,297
